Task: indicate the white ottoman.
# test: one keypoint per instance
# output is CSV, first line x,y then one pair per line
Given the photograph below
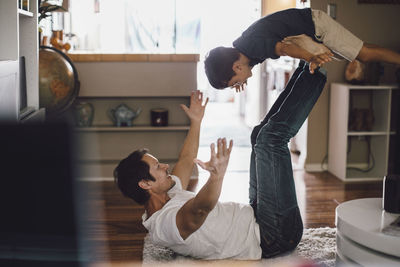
x,y
359,238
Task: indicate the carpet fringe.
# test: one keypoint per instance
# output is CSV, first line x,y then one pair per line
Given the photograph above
x,y
317,245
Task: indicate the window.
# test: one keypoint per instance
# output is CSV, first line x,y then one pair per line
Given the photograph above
x,y
134,26
157,26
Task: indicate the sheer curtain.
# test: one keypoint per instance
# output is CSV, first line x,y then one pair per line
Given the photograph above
x,y
136,26
161,26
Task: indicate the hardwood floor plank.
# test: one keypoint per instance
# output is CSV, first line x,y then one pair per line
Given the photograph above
x,y
121,225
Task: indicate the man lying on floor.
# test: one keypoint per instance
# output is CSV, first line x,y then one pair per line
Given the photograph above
x,y
198,225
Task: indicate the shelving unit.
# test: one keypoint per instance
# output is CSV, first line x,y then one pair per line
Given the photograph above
x,y
349,157
134,129
145,85
19,37
105,145
25,13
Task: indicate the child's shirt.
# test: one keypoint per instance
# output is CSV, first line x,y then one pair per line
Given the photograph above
x,y
259,40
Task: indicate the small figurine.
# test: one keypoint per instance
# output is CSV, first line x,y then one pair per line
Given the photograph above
x,y
123,115
56,41
84,113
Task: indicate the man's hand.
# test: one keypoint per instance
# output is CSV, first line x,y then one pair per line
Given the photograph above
x,y
196,110
184,167
218,161
318,60
194,212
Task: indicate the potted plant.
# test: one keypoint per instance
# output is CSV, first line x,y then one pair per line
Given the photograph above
x,y
45,9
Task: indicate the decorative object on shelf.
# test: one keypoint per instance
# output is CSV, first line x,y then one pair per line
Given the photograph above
x,y
45,9
44,41
58,81
25,5
123,115
391,193
84,113
355,72
360,73
361,119
159,117
56,41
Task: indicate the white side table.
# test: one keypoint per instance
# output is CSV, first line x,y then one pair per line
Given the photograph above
x,y
359,238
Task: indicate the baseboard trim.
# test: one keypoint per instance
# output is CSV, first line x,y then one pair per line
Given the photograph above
x,y
96,179
315,167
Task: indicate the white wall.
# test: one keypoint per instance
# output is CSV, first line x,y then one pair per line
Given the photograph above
x,y
373,23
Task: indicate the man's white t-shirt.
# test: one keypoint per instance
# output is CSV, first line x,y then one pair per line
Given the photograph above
x,y
229,232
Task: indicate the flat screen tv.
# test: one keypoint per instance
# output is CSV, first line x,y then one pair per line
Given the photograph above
x,y
41,221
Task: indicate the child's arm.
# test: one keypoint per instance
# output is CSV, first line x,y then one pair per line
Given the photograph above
x,y
293,50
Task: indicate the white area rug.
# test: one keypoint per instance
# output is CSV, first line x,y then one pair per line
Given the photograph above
x,y
317,245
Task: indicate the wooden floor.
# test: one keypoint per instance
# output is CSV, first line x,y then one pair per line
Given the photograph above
x,y
117,220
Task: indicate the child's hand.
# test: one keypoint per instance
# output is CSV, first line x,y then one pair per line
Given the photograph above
x,y
239,86
318,60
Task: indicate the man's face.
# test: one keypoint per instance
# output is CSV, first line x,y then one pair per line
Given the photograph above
x,y
242,73
159,171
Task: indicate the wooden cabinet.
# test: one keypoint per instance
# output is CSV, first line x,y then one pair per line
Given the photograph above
x,y
360,129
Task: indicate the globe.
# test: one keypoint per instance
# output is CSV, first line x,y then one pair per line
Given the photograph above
x,y
58,81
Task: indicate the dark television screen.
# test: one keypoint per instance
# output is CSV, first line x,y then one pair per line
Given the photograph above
x,y
37,191
23,101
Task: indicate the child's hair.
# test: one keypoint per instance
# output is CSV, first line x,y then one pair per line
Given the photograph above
x,y
218,66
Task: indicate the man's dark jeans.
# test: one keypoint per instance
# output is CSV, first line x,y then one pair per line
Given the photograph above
x,y
272,190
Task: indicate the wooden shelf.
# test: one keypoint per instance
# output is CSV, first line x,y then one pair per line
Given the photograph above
x,y
97,57
132,129
22,12
371,87
366,133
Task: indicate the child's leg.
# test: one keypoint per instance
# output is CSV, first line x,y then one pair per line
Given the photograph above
x,y
277,212
371,52
346,44
335,36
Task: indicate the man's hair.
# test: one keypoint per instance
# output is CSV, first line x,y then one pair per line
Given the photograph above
x,y
218,66
129,172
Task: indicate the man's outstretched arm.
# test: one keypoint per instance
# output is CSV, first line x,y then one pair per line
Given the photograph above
x,y
184,167
195,211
